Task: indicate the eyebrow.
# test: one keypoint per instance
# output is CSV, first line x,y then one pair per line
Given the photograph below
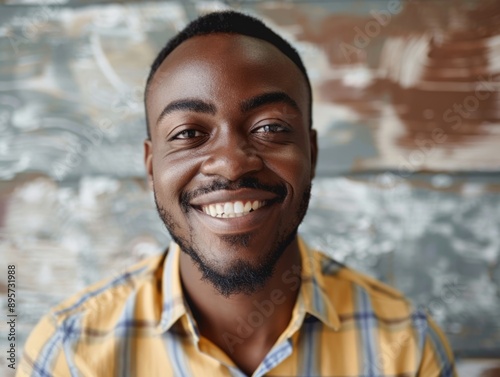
x,y
200,106
266,99
188,104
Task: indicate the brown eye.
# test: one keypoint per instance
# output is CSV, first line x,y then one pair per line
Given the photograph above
x,y
187,134
271,128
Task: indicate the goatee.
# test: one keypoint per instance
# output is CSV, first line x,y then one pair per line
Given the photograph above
x,y
241,276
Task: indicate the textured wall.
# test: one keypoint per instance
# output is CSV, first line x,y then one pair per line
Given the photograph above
x,y
407,107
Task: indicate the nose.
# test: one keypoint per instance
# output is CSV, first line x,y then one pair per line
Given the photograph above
x,y
231,157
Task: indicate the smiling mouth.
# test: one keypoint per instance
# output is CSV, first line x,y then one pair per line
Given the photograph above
x,y
227,210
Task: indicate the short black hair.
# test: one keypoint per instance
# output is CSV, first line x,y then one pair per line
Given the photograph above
x,y
228,22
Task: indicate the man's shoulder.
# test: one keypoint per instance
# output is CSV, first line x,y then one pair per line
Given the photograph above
x,y
396,336
109,294
93,316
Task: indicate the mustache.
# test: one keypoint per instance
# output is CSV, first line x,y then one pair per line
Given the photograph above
x,y
222,184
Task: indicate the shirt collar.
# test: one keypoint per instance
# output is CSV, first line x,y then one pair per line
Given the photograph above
x,y
312,299
313,293
174,306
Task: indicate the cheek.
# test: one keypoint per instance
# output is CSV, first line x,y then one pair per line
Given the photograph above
x,y
171,177
293,166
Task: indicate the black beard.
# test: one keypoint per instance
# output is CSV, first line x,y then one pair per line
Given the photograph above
x,y
241,276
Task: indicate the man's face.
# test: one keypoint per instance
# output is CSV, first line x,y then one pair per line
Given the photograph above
x,y
231,155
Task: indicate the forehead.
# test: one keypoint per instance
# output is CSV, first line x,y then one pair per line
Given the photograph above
x,y
224,67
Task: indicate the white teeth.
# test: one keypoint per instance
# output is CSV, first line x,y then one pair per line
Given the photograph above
x,y
238,207
212,211
228,208
232,209
248,207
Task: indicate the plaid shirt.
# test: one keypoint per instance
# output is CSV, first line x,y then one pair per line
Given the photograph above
x,y
138,324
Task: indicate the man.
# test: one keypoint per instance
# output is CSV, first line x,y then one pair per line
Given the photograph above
x,y
230,156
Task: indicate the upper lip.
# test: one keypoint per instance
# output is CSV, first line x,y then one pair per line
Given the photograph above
x,y
223,196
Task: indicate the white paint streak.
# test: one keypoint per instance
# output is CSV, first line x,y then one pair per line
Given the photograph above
x,y
104,64
404,59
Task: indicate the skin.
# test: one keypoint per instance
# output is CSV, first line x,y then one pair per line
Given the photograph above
x,y
193,147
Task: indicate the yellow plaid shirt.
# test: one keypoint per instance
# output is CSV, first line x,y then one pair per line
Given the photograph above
x,y
138,324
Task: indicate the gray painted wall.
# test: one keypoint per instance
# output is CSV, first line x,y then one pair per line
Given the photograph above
x,y
408,184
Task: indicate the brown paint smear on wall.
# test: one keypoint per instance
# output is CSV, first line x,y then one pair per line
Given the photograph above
x,y
495,372
432,61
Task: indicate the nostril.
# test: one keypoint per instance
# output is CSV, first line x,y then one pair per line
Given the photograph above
x,y
232,163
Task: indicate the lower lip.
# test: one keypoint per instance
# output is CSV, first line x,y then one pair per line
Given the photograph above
x,y
235,225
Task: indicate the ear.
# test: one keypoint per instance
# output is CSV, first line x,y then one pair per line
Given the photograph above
x,y
148,161
314,150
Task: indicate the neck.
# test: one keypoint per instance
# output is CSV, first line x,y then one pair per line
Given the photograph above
x,y
242,322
